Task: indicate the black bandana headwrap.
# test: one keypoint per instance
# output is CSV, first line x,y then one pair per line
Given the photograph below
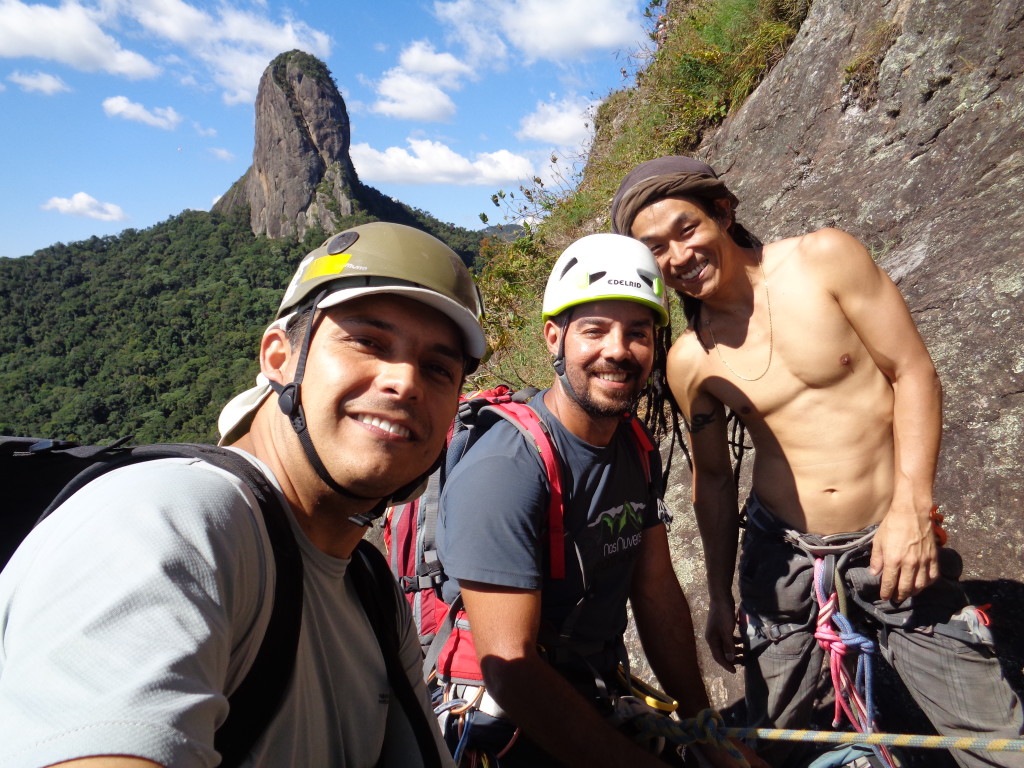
x,y
671,176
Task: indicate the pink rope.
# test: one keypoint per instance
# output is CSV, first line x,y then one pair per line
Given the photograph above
x,y
848,698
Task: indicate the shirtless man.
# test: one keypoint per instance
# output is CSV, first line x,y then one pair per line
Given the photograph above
x,y
812,345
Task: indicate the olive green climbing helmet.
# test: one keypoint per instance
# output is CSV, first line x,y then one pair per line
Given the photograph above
x,y
382,257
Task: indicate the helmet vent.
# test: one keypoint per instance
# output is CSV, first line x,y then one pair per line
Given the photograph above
x,y
597,276
647,277
568,265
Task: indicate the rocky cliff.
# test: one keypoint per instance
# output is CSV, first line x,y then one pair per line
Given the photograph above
x,y
301,174
900,121
302,178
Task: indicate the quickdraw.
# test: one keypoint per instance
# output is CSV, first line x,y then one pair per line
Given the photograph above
x,y
457,707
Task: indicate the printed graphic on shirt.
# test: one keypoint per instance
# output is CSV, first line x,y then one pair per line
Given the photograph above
x,y
621,528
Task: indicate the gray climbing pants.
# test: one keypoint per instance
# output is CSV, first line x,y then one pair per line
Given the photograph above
x,y
934,641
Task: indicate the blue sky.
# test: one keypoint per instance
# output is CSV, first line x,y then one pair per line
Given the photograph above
x,y
121,113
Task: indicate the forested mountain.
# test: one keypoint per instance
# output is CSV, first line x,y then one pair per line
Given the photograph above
x,y
143,334
148,333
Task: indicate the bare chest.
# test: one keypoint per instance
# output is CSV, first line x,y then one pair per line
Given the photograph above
x,y
804,355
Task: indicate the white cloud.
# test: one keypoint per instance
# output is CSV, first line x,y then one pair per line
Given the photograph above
x,y
235,45
564,123
70,34
207,132
556,30
229,45
222,154
567,29
431,162
421,58
472,24
411,97
39,81
159,117
416,88
82,204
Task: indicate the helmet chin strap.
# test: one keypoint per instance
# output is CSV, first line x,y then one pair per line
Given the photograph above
x,y
289,400
558,362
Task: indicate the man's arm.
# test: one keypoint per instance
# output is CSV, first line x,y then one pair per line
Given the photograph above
x,y
714,502
505,623
904,550
663,620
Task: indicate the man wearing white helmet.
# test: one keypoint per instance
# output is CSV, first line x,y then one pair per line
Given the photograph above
x,y
129,614
550,648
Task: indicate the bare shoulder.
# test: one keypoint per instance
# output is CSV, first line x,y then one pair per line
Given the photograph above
x,y
828,238
834,259
686,368
685,355
829,247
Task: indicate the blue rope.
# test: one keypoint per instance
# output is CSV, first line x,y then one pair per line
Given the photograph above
x,y
864,678
464,739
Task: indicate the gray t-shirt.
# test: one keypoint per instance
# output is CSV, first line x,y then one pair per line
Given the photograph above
x,y
127,614
493,522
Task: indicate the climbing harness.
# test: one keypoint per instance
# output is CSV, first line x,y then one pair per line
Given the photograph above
x,y
853,683
460,709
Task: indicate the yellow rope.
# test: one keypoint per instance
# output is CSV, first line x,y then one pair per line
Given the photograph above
x,y
709,728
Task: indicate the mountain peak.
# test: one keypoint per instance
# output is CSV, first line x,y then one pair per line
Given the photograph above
x,y
301,174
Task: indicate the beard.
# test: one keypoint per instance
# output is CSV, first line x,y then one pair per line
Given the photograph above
x,y
606,404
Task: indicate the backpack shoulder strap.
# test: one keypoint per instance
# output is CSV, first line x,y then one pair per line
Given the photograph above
x,y
374,584
530,424
259,696
643,443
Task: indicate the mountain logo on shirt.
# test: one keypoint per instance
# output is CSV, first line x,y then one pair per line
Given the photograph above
x,y
619,518
622,527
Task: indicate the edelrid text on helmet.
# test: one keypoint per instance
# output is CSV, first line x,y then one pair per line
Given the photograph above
x,y
605,267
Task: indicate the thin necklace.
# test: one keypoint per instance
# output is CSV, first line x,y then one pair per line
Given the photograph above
x,y
771,335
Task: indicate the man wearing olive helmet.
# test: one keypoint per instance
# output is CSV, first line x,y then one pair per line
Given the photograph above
x,y
132,611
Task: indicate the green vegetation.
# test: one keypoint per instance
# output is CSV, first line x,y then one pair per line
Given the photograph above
x,y
148,333
861,74
710,57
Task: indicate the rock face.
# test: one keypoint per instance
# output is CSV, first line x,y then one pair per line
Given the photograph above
x,y
900,121
301,173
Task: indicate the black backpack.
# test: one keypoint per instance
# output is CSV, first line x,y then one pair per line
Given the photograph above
x,y
40,475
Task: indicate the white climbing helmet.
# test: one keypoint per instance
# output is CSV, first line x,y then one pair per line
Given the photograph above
x,y
602,267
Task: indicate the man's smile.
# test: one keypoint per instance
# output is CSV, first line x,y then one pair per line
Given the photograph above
x,y
399,430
